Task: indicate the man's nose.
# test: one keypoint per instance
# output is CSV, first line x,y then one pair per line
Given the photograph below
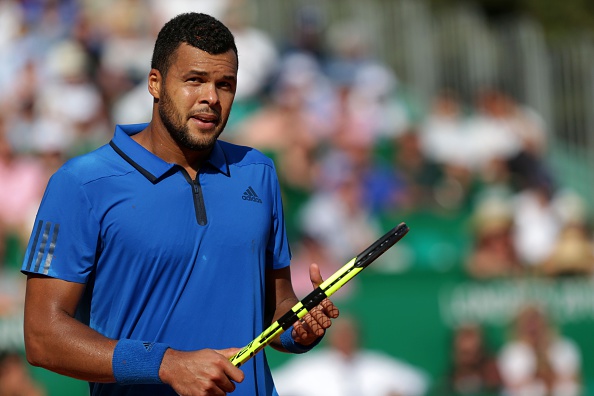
x,y
209,94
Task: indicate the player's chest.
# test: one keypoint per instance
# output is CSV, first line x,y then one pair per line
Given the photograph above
x,y
177,213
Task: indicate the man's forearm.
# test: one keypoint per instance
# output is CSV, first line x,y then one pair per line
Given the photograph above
x,y
70,348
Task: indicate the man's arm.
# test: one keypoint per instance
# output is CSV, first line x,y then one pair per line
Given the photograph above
x,y
55,340
281,298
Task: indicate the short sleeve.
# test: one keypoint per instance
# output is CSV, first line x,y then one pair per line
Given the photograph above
x,y
278,245
65,236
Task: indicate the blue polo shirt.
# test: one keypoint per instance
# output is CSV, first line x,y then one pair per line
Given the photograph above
x,y
166,258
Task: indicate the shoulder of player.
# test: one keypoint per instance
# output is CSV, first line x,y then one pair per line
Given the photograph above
x,y
91,166
238,155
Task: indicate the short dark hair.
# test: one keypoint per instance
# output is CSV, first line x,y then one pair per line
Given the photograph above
x,y
196,29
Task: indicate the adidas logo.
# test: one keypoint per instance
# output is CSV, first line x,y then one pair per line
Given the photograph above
x,y
148,346
250,195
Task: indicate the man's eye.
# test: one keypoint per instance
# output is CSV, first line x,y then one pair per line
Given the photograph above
x,y
226,85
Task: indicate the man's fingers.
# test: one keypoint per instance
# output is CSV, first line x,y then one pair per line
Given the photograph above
x,y
321,319
300,330
201,371
229,352
315,276
315,322
223,384
232,372
330,309
316,280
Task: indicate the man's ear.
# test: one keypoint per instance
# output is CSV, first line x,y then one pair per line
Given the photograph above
x,y
155,81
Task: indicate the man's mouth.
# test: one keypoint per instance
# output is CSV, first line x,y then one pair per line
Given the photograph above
x,y
206,119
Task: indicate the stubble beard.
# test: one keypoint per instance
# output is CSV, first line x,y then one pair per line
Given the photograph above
x,y
179,130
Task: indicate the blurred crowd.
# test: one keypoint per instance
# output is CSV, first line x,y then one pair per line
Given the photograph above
x,y
352,146
535,359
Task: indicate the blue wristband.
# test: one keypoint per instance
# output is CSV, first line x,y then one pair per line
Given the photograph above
x,y
137,362
292,346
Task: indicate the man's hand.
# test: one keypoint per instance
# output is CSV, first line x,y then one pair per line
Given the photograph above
x,y
199,373
313,325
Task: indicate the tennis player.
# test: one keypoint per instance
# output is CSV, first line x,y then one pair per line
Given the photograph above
x,y
155,257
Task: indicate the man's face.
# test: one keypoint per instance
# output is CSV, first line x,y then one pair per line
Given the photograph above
x,y
195,97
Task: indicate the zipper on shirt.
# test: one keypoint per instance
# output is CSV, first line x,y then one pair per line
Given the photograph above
x,y
199,202
199,207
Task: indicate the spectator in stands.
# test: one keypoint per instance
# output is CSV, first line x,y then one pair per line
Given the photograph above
x,y
19,106
572,254
510,137
15,379
493,253
259,55
78,116
22,181
573,251
338,216
418,173
124,55
528,165
287,127
345,367
11,20
490,132
538,360
307,34
367,109
537,224
442,133
445,141
374,97
474,368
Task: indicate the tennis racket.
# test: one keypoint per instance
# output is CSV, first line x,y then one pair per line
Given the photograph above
x,y
326,289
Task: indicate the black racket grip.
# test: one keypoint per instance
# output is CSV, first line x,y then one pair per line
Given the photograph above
x,y
308,302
